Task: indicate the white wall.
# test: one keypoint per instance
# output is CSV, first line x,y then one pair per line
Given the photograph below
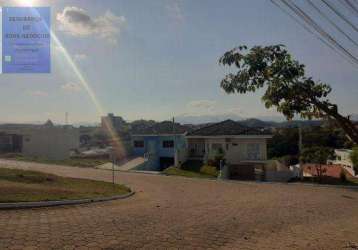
x,y
50,142
236,150
181,156
343,158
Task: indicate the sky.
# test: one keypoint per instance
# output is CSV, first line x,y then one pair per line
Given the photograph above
x,y
158,59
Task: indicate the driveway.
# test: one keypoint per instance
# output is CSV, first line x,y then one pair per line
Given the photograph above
x,y
175,212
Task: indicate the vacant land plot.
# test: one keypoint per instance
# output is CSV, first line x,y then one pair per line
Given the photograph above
x,y
187,213
23,186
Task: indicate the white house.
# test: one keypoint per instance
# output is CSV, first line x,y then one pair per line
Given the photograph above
x,y
245,149
342,157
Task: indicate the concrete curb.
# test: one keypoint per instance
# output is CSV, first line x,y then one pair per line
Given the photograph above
x,y
39,204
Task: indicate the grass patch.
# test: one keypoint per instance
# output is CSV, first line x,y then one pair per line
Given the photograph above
x,y
74,162
186,173
25,186
209,170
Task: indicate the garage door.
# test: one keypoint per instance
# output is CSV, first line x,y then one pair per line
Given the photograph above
x,y
242,172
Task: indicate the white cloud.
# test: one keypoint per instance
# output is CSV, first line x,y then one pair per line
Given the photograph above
x,y
38,93
202,104
175,11
71,87
78,22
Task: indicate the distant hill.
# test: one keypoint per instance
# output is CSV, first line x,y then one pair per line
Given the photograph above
x,y
296,123
201,119
253,122
354,117
263,122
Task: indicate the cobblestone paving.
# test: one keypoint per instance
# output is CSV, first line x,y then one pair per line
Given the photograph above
x,y
182,213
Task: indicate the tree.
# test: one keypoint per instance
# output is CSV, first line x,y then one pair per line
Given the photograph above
x,y
216,156
288,89
354,159
283,142
317,155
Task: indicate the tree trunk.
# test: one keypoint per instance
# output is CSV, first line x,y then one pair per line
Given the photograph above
x,y
347,125
319,172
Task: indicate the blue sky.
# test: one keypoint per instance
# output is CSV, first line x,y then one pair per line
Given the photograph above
x,y
158,59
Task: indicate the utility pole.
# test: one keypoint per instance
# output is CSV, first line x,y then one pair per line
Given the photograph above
x,y
300,147
174,148
300,139
173,125
113,157
173,131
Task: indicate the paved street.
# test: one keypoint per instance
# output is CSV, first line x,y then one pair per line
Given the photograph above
x,y
175,212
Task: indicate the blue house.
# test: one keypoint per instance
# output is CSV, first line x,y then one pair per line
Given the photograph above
x,y
162,145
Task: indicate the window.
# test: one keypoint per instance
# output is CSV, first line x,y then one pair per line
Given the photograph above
x,y
199,147
5,140
253,151
139,144
168,144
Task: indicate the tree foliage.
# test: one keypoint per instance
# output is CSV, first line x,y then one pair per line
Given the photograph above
x,y
287,87
317,155
354,158
284,142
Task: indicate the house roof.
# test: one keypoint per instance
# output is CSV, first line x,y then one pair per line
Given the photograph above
x,y
161,128
227,127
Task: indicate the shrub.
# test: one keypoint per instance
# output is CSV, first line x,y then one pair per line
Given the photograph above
x,y
215,157
354,158
289,160
209,170
212,162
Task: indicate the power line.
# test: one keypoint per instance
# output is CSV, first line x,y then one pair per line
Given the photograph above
x,y
332,8
299,12
293,17
350,6
331,22
297,20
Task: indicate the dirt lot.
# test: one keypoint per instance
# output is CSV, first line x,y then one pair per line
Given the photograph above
x,y
176,212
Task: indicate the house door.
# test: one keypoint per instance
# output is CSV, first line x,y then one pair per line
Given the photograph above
x,y
151,147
